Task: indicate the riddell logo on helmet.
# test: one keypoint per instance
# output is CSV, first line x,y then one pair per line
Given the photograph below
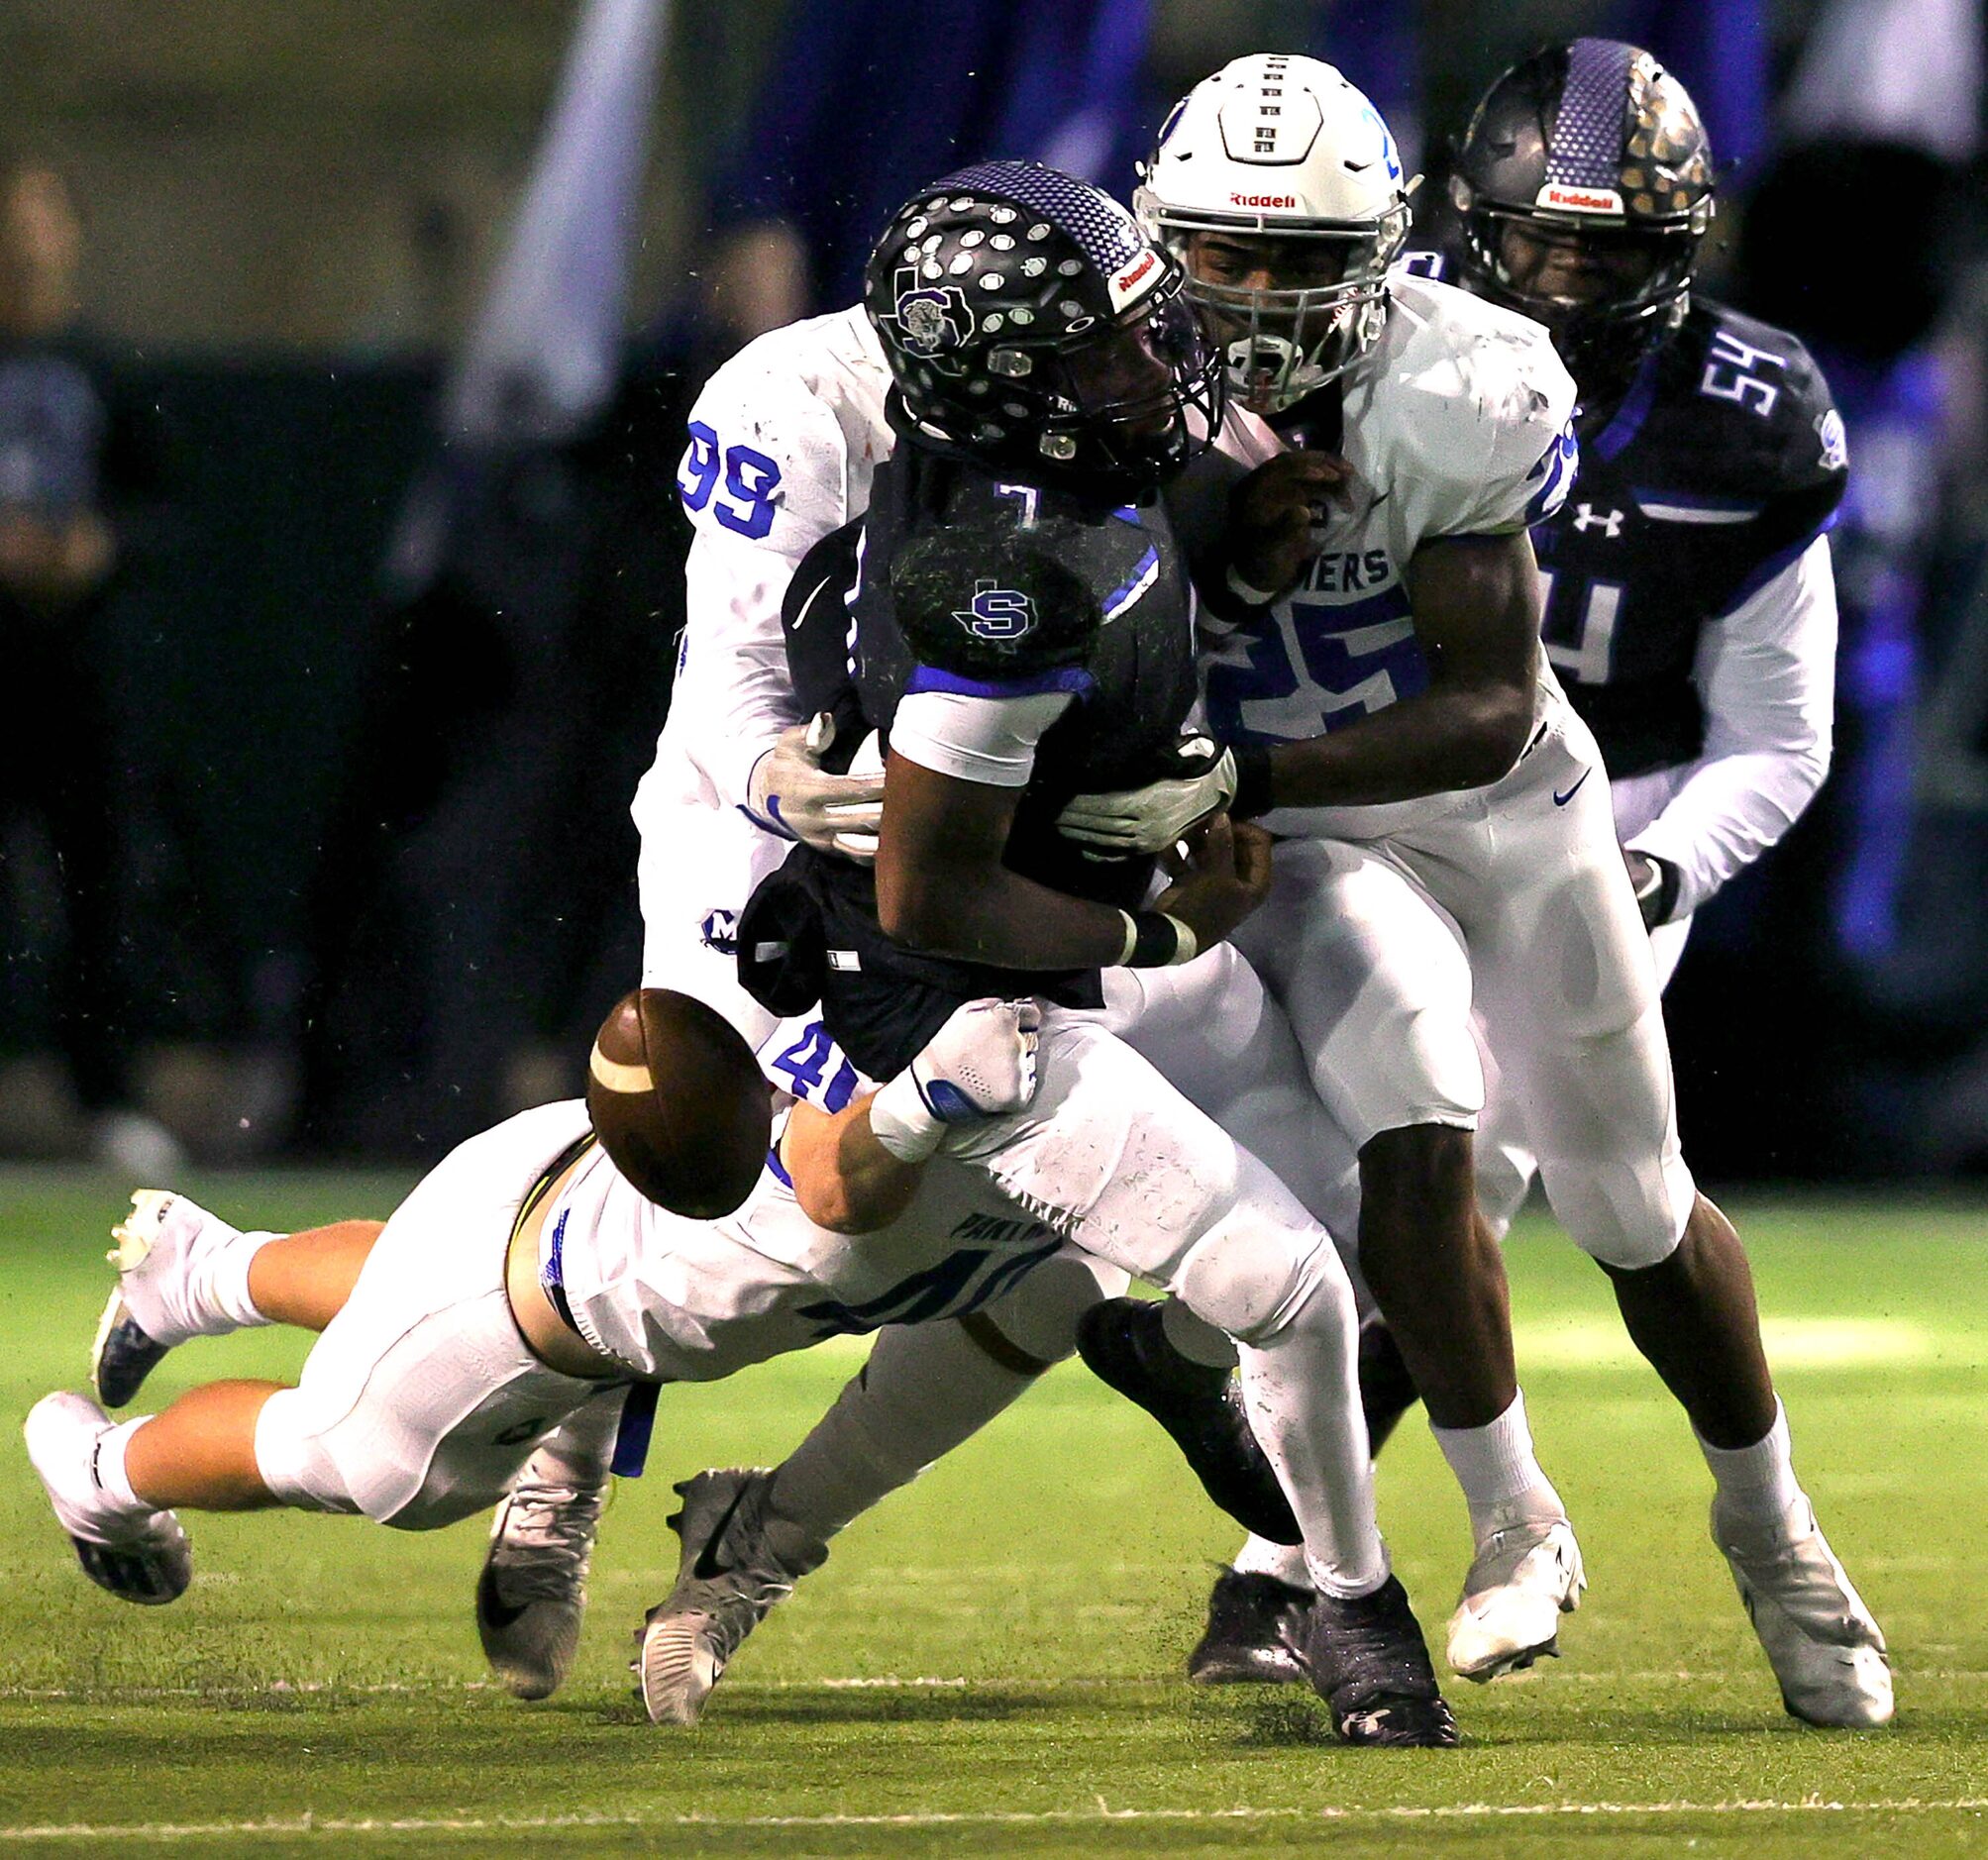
x,y
1579,199
1263,200
1125,284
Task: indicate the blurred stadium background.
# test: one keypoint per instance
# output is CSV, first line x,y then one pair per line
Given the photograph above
x,y
333,665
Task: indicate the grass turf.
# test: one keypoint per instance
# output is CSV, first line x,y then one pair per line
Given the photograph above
x,y
988,1664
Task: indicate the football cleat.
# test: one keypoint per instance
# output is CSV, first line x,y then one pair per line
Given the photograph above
x,y
1367,1659
1827,1650
146,1314
1253,1622
142,1557
729,1578
532,1592
1123,1343
1525,1575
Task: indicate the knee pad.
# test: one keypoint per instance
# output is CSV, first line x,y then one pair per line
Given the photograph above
x,y
1260,1264
291,1460
1621,1214
1039,1316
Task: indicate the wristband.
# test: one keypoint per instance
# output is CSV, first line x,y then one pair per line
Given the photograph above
x,y
1160,941
902,1122
1252,781
1131,939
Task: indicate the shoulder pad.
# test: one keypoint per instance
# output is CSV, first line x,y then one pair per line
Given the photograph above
x,y
1769,426
983,601
1475,397
771,436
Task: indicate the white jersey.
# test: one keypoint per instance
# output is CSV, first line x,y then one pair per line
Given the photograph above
x,y
783,444
1457,423
784,441
691,1300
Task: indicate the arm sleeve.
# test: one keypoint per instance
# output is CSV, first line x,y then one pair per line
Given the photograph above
x,y
732,682
1766,673
989,740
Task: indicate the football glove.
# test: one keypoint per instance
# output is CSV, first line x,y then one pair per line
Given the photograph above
x,y
1157,817
789,793
981,1064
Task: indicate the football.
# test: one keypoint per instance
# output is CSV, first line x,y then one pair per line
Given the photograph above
x,y
679,1103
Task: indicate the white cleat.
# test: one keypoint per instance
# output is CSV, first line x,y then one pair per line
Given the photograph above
x,y
1824,1645
532,1593
1525,1575
142,1557
147,1313
729,1578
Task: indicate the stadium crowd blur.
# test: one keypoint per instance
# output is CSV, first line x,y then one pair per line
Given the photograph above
x,y
336,634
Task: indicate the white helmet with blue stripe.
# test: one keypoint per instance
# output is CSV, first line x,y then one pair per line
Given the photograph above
x,y
1276,149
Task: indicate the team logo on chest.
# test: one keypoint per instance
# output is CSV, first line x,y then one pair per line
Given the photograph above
x,y
1609,523
997,615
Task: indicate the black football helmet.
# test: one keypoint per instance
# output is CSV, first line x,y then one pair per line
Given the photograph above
x,y
1583,185
1030,325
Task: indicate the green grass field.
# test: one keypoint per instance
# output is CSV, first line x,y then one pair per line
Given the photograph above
x,y
991,1664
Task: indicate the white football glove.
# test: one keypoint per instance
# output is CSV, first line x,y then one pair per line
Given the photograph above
x,y
1154,818
791,792
981,1064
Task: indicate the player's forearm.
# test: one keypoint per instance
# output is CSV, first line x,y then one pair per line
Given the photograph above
x,y
1729,812
990,914
732,680
1438,741
843,1176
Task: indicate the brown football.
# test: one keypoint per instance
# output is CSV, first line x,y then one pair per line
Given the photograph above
x,y
679,1101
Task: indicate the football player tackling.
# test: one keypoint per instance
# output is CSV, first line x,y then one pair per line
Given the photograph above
x,y
1585,183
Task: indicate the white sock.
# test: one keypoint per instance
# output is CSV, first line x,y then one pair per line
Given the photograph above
x,y
1757,1483
217,1282
111,1479
926,1388
1497,1470
1284,1560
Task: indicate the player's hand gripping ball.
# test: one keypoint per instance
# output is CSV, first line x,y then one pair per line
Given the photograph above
x,y
679,1103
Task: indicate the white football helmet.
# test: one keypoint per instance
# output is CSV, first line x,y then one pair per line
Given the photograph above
x,y
1274,147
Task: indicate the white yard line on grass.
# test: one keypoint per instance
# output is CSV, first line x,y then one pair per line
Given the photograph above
x,y
984,1818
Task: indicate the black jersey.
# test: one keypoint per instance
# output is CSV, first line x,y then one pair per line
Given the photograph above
x,y
957,582
1721,464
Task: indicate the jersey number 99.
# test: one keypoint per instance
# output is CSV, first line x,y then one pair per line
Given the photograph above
x,y
743,479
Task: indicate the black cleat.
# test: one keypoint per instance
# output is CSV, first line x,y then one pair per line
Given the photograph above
x,y
1370,1664
1254,1622
1123,1343
123,1357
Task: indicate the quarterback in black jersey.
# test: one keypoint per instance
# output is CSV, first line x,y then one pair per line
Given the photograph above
x,y
1013,619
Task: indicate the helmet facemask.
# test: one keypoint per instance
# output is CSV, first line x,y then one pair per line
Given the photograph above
x,y
1315,302
1608,293
1145,392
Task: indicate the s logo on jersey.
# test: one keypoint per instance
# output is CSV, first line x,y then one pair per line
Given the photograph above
x,y
997,615
1835,444
933,321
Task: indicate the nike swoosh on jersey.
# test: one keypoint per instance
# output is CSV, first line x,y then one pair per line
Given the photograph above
x,y
1561,800
706,1569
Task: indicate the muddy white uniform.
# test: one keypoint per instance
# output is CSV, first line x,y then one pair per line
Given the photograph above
x,y
782,442
1387,921
420,1401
